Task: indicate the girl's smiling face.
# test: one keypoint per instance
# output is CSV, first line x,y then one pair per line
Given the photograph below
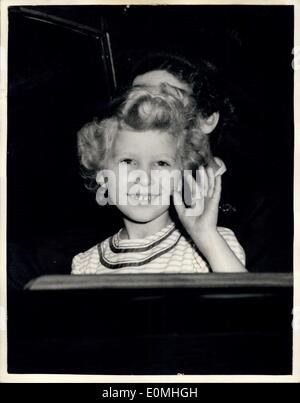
x,y
138,161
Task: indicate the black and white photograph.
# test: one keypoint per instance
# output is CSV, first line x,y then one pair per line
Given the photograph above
x,y
149,187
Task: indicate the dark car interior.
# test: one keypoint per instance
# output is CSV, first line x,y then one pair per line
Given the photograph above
x,y
66,65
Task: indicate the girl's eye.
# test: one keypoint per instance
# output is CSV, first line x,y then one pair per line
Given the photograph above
x,y
127,161
163,164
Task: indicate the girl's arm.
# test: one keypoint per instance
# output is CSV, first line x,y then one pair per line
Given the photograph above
x,y
200,221
219,255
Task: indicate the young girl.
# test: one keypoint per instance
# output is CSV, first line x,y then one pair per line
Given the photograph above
x,y
156,130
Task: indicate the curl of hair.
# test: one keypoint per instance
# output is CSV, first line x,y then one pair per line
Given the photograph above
x,y
93,141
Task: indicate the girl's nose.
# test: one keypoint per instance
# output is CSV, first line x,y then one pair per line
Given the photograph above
x,y
144,176
143,180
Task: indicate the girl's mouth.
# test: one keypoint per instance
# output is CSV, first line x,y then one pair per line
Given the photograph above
x,y
143,197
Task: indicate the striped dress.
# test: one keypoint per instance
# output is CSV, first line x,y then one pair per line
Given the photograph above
x,y
167,251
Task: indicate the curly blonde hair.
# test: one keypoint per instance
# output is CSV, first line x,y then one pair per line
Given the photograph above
x,y
164,109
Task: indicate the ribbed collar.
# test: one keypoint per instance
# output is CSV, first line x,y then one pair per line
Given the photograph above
x,y
117,253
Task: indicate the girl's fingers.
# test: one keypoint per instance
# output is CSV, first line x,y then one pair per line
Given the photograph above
x,y
211,182
204,181
197,194
196,191
217,190
199,207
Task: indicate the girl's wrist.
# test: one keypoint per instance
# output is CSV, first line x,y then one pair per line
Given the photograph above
x,y
205,240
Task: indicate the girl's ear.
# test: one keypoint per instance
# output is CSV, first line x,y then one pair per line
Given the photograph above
x,y
209,124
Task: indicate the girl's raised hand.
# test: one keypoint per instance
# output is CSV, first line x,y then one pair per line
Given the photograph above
x,y
201,218
200,221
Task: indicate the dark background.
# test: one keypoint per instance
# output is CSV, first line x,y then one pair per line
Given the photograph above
x,y
60,77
